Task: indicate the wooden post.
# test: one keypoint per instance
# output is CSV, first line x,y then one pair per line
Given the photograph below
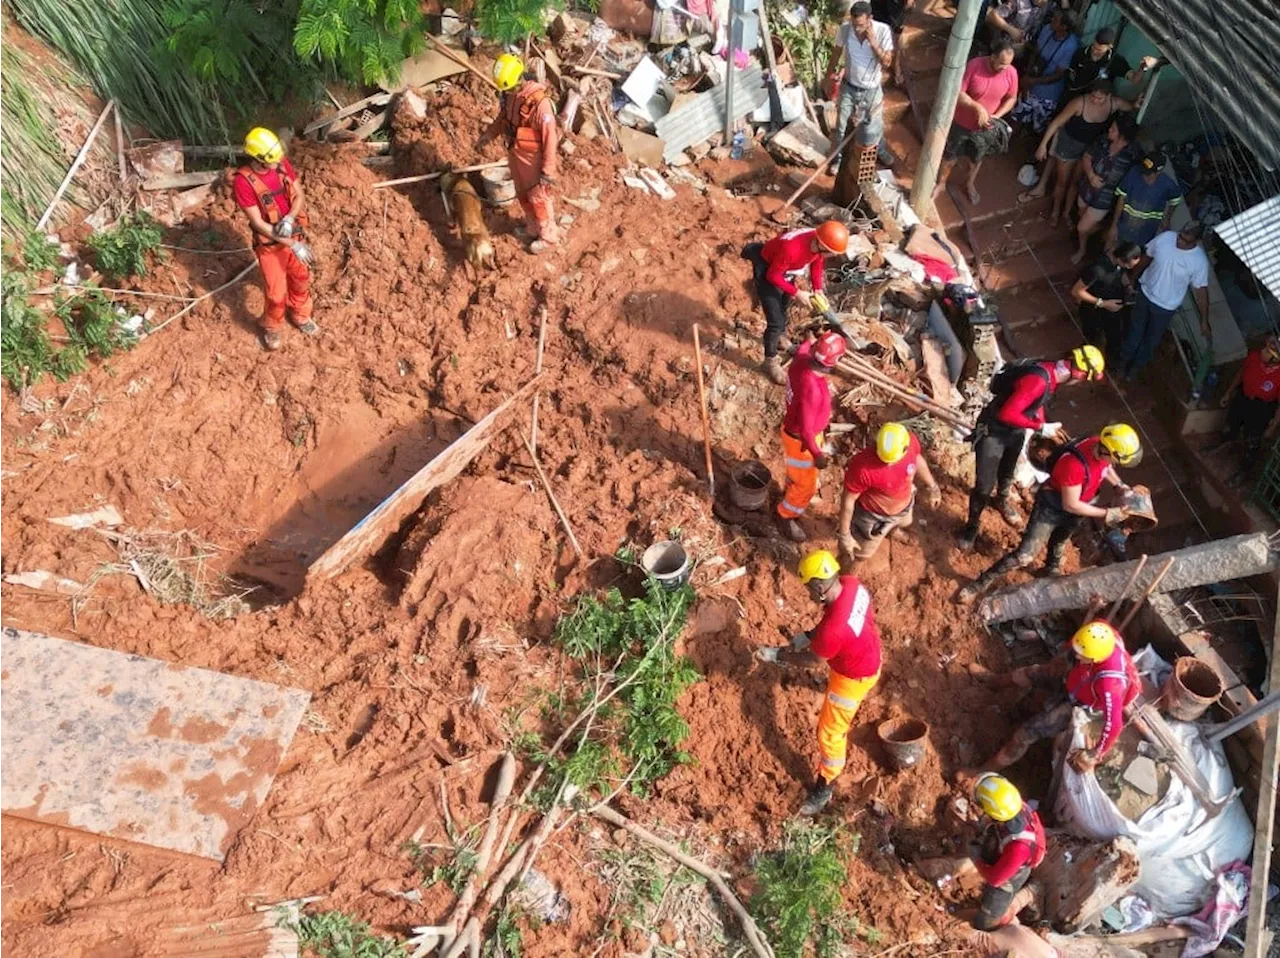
x,y
555,503
706,421
1264,820
537,370
944,105
75,165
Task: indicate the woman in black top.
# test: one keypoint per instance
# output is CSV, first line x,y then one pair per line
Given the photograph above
x,y
1104,292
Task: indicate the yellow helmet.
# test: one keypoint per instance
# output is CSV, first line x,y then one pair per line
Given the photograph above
x,y
263,145
998,797
1121,440
892,442
1088,362
1094,641
818,565
507,71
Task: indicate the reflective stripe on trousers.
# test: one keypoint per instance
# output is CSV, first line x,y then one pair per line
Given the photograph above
x,y
802,477
844,695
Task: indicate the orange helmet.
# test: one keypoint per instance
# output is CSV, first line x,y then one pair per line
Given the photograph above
x,y
829,348
834,235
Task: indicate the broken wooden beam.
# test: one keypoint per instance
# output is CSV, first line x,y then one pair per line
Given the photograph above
x,y
378,99
1256,933
374,529
1237,557
176,181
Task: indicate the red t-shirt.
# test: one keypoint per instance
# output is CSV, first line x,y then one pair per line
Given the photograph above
x,y
1022,842
881,487
788,253
1106,687
847,637
808,400
1258,380
1027,389
247,199
1070,471
988,87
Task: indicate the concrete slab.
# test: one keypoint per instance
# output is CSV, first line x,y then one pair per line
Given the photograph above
x,y
1141,774
137,748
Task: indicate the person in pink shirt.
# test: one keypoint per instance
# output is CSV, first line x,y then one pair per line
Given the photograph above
x,y
988,92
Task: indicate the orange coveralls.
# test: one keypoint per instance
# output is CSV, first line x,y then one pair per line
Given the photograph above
x,y
285,279
528,119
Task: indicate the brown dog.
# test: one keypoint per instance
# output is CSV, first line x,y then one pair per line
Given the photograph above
x,y
468,217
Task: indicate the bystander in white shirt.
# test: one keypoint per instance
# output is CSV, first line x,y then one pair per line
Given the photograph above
x,y
1173,271
862,67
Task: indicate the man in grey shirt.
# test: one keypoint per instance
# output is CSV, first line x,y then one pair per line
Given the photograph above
x,y
866,47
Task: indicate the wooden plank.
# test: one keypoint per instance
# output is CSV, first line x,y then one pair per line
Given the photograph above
x,y
378,99
876,205
177,181
371,531
1256,935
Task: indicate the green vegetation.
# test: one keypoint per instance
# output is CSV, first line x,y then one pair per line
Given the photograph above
x,y
335,934
507,21
32,159
799,901
452,865
810,43
38,254
365,40
507,940
121,251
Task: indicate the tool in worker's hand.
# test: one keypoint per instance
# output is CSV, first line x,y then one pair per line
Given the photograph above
x,y
1139,507
821,307
304,254
284,229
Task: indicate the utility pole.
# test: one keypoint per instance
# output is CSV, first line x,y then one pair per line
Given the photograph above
x,y
944,105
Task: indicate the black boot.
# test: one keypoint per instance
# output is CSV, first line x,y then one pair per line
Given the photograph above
x,y
818,798
977,504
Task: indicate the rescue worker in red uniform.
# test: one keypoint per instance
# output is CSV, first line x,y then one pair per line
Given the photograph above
x,y
1103,679
848,641
528,119
1020,393
807,417
773,264
1252,411
1012,846
267,189
880,492
1076,475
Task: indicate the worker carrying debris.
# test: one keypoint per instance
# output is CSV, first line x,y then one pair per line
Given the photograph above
x,y
527,118
267,189
1013,844
847,639
803,425
1077,471
1020,394
1103,678
880,493
775,265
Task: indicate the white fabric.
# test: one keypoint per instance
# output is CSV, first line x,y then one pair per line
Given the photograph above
x,y
1180,847
1172,270
862,68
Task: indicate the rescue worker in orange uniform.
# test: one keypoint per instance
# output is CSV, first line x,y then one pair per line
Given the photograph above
x,y
773,264
1103,679
879,491
267,189
528,119
807,417
848,641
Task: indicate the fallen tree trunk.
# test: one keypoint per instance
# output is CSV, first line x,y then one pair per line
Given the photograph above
x,y
1235,558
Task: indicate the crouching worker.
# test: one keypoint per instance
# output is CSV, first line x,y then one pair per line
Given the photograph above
x,y
848,641
1012,846
1077,472
880,493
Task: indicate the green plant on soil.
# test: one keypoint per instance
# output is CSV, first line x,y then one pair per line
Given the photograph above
x,y
798,902
121,251
365,40
26,353
452,864
335,934
810,43
37,254
507,940
32,159
509,21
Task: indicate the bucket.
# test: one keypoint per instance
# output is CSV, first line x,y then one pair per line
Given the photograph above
x,y
667,562
499,188
903,740
749,485
1190,689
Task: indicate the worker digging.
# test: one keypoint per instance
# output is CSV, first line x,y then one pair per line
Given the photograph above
x,y
268,191
880,491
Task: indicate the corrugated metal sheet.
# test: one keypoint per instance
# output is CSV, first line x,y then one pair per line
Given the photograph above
x,y
702,118
1229,51
1254,236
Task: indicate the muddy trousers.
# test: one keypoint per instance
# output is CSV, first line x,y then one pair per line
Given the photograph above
x,y
1001,903
773,301
869,529
802,476
533,194
287,284
995,458
1048,523
844,695
1050,723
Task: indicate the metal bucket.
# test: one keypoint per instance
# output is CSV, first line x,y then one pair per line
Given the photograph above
x,y
667,562
749,485
499,188
904,741
1190,689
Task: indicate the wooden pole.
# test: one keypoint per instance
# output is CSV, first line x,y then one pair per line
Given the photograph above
x,y
706,421
1151,587
121,163
537,368
213,292
944,105
555,503
730,70
460,60
1264,821
1246,718
822,168
75,165
1137,571
439,173
914,400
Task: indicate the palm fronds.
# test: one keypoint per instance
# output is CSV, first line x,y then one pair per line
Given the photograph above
x,y
31,157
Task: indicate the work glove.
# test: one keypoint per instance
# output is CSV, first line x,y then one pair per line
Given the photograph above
x,y
1115,516
800,641
284,229
1051,430
934,497
304,254
767,654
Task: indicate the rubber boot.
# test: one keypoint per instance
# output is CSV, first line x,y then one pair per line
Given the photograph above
x,y
1053,563
1009,510
977,506
791,529
772,367
818,798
